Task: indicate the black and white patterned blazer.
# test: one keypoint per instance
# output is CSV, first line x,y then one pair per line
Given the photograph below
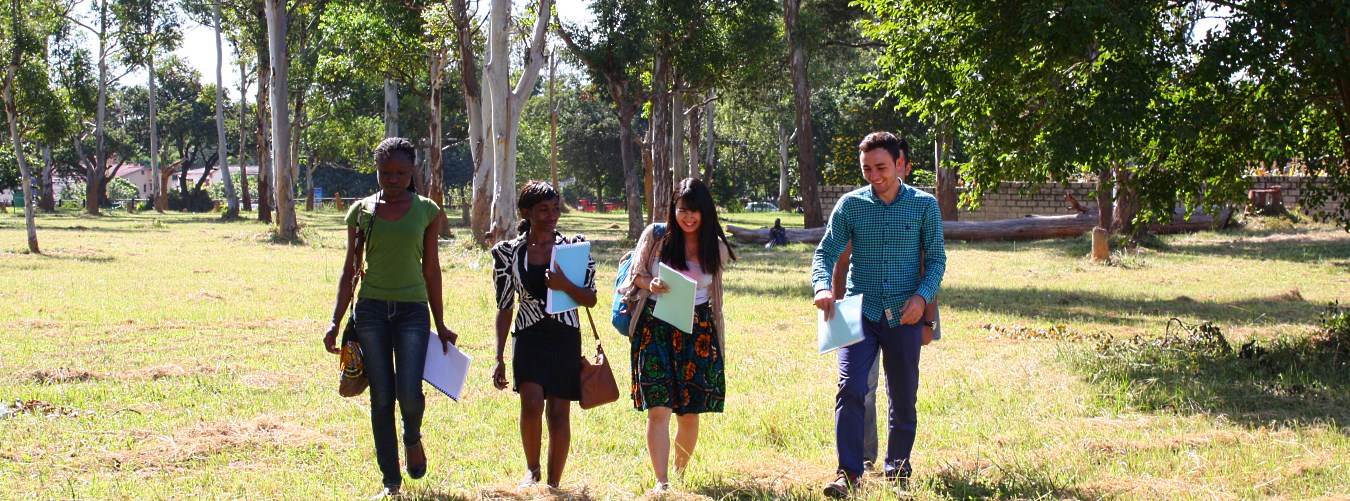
x,y
508,272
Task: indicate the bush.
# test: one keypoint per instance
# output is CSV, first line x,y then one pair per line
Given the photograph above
x,y
195,201
923,178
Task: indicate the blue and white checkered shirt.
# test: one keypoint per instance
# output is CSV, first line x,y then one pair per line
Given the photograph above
x,y
887,238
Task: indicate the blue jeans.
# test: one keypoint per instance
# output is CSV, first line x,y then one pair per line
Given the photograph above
x,y
900,348
393,337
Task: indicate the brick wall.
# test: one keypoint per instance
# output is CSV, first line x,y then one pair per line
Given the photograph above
x,y
1047,199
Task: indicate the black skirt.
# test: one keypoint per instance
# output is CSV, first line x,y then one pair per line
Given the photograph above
x,y
548,354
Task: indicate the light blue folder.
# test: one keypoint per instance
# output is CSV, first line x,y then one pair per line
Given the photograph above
x,y
574,258
676,307
844,329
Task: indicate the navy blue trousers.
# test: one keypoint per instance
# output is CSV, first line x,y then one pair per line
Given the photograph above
x,y
899,349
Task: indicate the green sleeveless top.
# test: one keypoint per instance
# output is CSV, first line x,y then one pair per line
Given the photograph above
x,y
394,253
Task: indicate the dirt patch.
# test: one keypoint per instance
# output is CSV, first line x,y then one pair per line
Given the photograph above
x,y
40,408
1176,443
64,375
163,372
1289,296
535,493
204,439
1053,332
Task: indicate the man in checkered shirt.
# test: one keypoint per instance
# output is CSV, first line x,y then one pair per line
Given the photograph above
x,y
890,225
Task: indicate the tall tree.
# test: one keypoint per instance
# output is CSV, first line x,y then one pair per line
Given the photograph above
x,y
282,172
494,108
614,49
23,43
148,29
105,30
801,88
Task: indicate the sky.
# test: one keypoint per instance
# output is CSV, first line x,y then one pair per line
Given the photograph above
x,y
199,46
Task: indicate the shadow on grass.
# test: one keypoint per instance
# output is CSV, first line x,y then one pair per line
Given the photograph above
x,y
990,481
1290,380
750,490
1048,303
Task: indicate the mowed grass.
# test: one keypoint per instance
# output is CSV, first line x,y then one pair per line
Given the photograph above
x,y
183,357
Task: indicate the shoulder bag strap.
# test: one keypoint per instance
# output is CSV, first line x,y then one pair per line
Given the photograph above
x,y
362,241
598,348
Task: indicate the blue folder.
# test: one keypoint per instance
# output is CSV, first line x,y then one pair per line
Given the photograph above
x,y
844,329
574,258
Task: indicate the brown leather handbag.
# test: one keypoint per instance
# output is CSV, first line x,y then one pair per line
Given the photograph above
x,y
597,378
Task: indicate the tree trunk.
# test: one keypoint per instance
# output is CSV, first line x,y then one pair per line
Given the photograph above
x,y
679,168
260,136
946,176
784,186
390,108
660,143
12,116
222,152
436,179
481,189
1105,204
806,154
695,136
553,126
48,201
94,174
281,128
1127,201
154,129
632,177
506,104
243,165
309,183
710,147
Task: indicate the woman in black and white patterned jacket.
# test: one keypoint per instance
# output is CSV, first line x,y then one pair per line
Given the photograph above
x,y
546,354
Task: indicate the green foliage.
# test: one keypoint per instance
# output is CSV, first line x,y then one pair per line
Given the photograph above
x,y
1043,92
121,189
1335,322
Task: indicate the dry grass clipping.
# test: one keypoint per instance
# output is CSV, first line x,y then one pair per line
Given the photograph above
x,y
204,439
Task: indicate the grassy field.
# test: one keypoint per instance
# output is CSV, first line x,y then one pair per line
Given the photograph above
x,y
181,359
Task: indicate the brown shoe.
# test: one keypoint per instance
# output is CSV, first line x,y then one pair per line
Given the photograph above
x,y
417,461
842,487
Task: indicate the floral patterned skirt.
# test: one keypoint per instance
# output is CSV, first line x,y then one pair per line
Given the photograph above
x,y
680,370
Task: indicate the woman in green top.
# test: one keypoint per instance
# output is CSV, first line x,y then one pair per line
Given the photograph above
x,y
402,278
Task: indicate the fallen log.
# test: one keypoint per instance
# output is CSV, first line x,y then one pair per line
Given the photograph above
x,y
1019,229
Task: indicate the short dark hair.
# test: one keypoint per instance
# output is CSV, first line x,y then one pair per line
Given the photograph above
x,y
896,146
393,145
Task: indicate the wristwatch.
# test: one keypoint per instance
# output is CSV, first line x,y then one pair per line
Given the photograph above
x,y
929,324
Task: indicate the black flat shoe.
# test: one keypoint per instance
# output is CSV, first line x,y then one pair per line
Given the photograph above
x,y
417,471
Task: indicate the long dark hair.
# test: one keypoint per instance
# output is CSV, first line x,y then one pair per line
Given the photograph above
x,y
696,196
532,193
